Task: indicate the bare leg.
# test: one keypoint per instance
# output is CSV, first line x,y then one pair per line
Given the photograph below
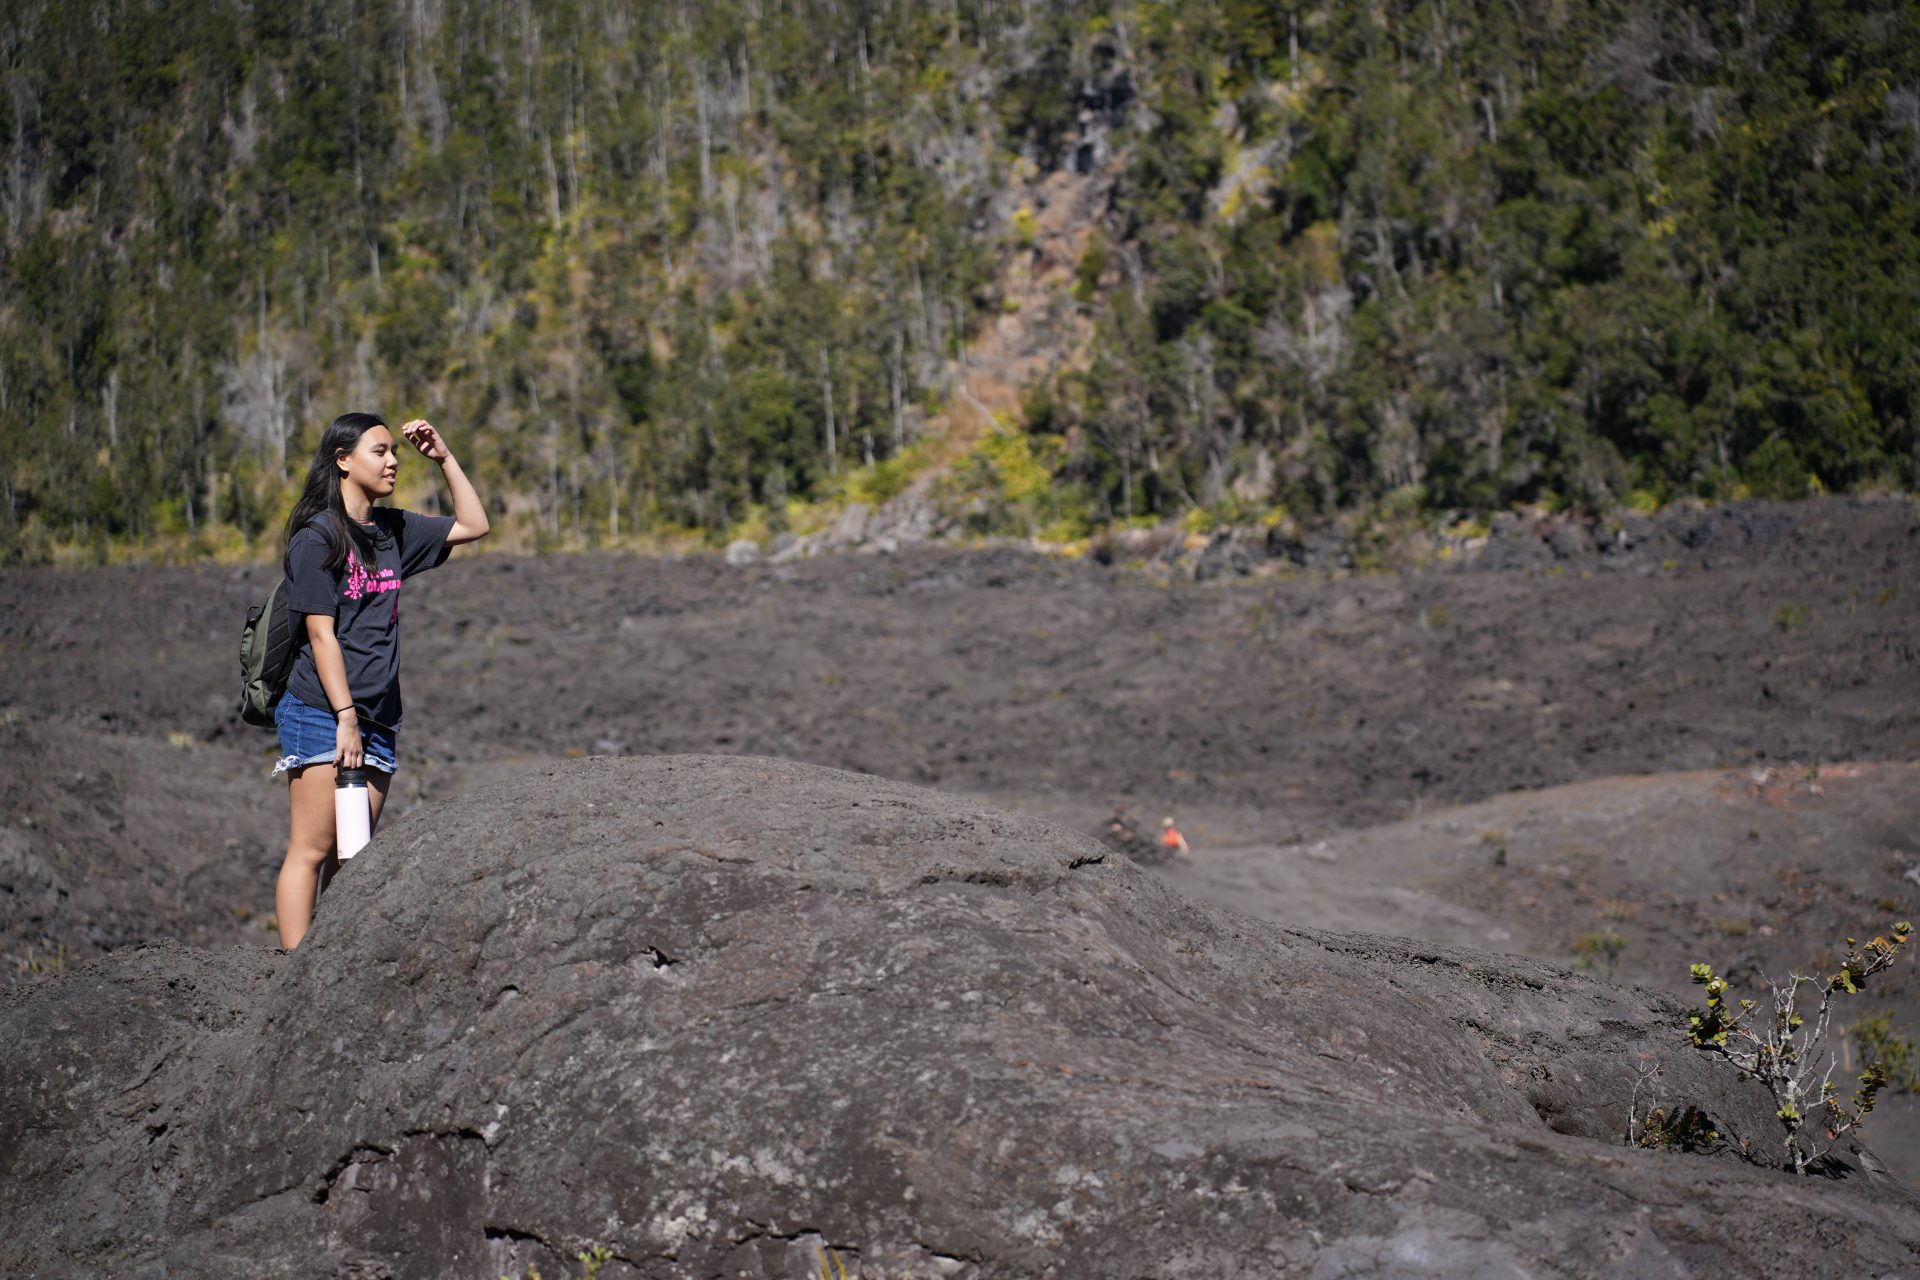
x,y
377,784
312,856
309,848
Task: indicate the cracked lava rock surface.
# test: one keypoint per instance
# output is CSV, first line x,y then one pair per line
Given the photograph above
x,y
720,1013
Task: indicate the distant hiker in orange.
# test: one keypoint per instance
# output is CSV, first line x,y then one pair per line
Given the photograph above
x,y
1172,841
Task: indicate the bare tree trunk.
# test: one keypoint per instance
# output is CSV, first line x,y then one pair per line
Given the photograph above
x,y
704,125
851,413
935,340
660,162
553,179
110,401
897,376
553,481
17,202
196,409
826,391
574,129
406,99
529,56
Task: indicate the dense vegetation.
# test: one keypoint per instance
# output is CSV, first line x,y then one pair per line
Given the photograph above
x,y
1511,251
664,265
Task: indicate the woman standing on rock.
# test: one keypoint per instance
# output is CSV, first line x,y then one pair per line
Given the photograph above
x,y
345,562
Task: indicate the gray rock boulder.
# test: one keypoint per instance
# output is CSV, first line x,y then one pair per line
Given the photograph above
x,y
719,1013
110,1080
743,551
1223,555
851,528
1572,540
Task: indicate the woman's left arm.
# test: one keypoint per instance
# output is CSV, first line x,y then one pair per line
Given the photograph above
x,y
469,516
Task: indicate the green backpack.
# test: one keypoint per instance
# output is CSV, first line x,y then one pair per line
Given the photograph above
x,y
266,657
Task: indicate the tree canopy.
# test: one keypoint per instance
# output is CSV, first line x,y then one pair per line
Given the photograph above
x,y
659,264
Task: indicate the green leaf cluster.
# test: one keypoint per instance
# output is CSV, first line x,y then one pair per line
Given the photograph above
x,y
1710,1027
1686,1128
1592,254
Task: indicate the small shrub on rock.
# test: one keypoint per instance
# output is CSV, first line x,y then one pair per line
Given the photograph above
x,y
591,1259
1786,1051
1679,1129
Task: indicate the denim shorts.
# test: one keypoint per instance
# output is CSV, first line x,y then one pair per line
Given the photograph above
x,y
307,736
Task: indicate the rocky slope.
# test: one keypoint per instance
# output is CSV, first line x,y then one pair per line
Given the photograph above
x,y
1759,871
1288,705
718,1013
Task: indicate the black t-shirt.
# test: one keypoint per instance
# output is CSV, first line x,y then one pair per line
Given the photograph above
x,y
365,603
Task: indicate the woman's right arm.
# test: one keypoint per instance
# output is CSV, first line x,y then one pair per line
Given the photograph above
x,y
331,666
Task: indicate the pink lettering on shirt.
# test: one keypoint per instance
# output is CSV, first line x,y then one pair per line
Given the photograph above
x,y
361,583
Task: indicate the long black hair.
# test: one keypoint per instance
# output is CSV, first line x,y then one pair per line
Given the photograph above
x,y
321,494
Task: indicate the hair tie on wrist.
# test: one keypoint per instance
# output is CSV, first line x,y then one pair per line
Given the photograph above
x,y
340,711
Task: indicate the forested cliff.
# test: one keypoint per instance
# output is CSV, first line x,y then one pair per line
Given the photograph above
x,y
661,266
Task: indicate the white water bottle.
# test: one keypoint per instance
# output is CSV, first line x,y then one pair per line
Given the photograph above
x,y
352,816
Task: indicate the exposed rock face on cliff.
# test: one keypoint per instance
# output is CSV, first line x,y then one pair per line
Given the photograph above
x,y
716,1013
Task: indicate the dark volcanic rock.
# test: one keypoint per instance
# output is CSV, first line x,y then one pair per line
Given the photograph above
x,y
997,673
1126,834
102,846
106,1093
715,1013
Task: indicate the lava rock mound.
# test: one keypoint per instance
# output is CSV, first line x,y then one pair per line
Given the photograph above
x,y
719,1014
